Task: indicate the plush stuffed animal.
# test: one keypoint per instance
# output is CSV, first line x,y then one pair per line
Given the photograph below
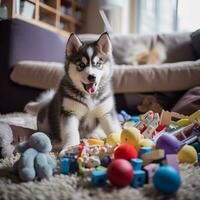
x,y
6,138
35,160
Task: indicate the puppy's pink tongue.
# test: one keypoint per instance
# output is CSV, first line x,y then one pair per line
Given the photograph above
x,y
90,88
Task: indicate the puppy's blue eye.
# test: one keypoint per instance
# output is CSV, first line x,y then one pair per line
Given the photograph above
x,y
81,66
99,65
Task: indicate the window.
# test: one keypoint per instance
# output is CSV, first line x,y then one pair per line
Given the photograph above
x,y
167,15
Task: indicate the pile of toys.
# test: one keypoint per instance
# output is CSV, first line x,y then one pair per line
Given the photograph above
x,y
149,149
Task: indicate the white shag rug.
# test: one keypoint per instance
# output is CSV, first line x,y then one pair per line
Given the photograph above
x,y
77,188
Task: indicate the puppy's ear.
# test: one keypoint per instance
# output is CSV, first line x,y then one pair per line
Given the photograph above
x,y
73,44
104,43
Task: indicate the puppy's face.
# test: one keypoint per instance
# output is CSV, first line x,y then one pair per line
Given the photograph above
x,y
89,64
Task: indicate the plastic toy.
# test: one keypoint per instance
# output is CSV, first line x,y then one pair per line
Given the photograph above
x,y
136,163
35,160
131,136
98,177
166,117
147,143
120,173
172,160
113,139
105,161
65,165
199,158
148,124
188,134
6,138
188,120
125,151
153,156
169,143
196,145
166,180
93,141
187,154
139,178
144,150
150,170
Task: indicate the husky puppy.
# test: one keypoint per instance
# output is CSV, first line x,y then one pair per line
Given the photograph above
x,y
84,97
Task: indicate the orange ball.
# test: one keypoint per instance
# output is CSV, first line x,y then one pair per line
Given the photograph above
x,y
125,151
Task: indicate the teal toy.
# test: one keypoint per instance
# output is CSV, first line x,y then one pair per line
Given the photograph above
x,y
35,161
139,179
136,163
65,165
166,180
144,150
99,177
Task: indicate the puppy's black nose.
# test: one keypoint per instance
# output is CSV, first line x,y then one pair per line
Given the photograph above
x,y
91,77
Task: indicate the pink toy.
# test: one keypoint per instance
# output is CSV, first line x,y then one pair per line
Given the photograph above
x,y
151,169
120,172
172,160
125,151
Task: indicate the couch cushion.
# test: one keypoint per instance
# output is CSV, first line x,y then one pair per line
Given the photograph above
x,y
163,77
195,36
126,78
178,46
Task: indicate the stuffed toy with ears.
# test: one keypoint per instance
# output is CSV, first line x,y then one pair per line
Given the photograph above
x,y
35,161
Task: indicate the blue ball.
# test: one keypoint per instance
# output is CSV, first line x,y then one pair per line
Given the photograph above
x,y
105,161
167,180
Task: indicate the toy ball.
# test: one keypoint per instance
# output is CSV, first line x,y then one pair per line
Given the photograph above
x,y
167,180
113,139
125,151
105,161
169,143
187,154
120,172
147,143
131,135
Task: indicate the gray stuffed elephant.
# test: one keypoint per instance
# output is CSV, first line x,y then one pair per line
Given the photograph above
x,y
35,161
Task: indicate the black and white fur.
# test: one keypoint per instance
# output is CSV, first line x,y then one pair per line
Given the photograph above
x,y
84,98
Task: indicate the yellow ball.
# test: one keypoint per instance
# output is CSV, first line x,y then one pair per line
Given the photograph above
x,y
187,154
131,135
113,139
147,143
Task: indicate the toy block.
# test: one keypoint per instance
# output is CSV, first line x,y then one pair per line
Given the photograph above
x,y
136,163
98,177
139,179
73,165
144,150
172,160
65,165
150,170
153,155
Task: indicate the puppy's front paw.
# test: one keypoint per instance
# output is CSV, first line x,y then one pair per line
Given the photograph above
x,y
67,150
63,152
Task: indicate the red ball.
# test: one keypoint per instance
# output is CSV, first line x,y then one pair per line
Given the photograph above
x,y
120,172
125,151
